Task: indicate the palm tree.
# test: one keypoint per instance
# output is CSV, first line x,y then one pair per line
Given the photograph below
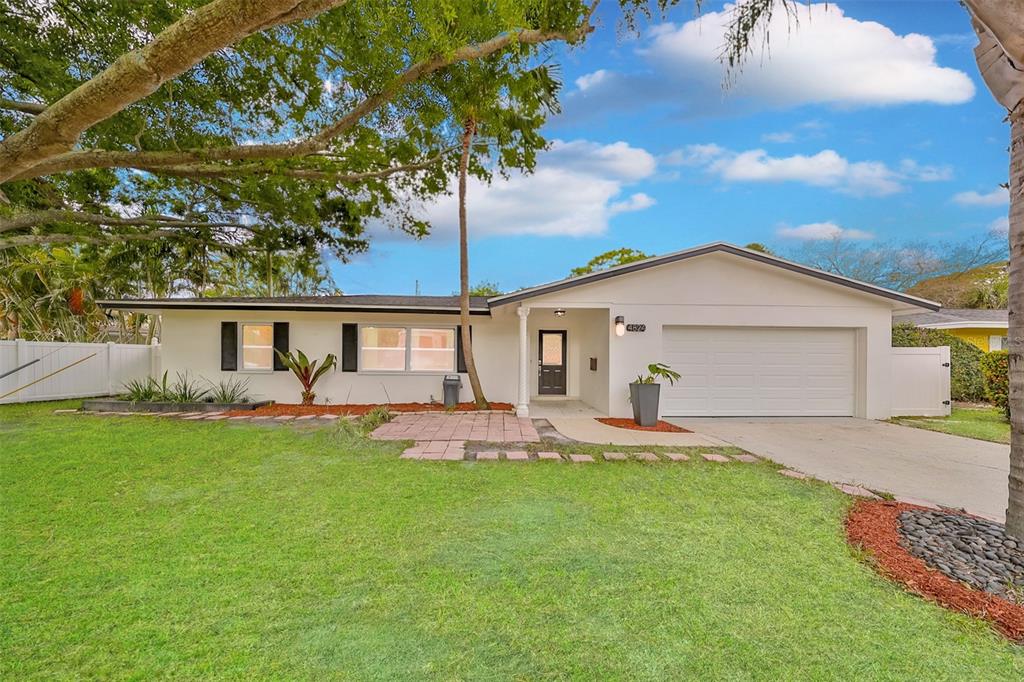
x,y
469,129
999,25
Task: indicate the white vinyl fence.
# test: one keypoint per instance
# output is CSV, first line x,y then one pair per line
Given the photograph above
x,y
920,382
71,370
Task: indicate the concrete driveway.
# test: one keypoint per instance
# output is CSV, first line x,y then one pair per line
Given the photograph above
x,y
908,462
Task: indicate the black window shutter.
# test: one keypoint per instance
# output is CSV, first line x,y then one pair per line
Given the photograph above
x,y
460,354
349,347
280,344
228,346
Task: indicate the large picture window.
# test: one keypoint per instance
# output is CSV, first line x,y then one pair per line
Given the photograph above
x,y
407,349
258,346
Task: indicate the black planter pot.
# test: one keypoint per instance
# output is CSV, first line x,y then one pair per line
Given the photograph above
x,y
645,399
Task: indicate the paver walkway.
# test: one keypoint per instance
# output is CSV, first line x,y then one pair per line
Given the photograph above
x,y
495,427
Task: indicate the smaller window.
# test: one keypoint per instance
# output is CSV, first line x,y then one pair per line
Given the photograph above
x,y
383,349
998,343
258,346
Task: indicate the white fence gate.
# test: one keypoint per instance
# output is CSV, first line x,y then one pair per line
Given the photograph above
x,y
89,369
920,382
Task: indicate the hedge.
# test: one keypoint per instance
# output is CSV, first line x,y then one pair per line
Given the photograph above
x,y
995,367
965,377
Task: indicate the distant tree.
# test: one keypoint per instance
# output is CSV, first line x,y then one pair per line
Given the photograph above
x,y
759,247
982,287
484,288
899,266
609,259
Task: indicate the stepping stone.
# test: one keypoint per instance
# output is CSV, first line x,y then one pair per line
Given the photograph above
x,y
517,456
712,457
217,417
239,418
434,456
411,453
168,414
194,417
261,417
64,411
645,456
919,503
580,459
454,456
215,414
677,457
284,418
615,457
487,455
305,417
749,459
327,417
553,456
793,474
855,490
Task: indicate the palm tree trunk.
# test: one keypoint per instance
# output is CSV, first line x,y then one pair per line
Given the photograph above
x,y
1015,508
467,339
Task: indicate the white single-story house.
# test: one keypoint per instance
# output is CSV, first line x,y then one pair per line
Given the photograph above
x,y
751,334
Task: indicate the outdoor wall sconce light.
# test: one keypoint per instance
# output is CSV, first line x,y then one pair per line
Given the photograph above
x,y
559,312
620,326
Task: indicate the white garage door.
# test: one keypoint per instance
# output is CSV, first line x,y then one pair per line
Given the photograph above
x,y
754,371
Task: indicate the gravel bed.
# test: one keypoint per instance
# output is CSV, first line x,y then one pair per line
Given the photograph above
x,y
971,550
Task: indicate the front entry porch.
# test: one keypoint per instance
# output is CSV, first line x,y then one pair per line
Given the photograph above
x,y
563,361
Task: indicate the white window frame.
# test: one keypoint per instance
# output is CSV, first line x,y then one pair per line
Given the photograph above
x,y
241,348
408,349
995,342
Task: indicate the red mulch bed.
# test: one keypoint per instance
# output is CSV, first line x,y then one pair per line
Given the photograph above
x,y
661,427
874,526
281,409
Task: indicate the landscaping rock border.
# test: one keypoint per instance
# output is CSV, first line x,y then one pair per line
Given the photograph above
x,y
876,527
114,405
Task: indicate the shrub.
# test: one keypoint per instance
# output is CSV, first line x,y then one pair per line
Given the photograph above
x,y
995,367
233,390
186,390
966,381
374,418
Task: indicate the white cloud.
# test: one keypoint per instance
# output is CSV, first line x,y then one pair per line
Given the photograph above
x,y
589,80
576,189
827,168
694,155
1000,226
821,56
1000,196
821,232
779,138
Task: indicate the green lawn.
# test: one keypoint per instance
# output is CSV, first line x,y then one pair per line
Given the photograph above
x,y
983,423
140,547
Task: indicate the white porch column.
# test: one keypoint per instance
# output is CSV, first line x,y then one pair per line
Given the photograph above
x,y
523,405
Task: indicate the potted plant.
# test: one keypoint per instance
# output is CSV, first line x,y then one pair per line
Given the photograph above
x,y
306,371
644,393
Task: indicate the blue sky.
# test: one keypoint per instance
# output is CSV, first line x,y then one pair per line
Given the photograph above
x,y
867,119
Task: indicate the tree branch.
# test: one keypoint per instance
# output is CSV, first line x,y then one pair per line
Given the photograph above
x,y
139,73
33,108
37,218
251,169
98,158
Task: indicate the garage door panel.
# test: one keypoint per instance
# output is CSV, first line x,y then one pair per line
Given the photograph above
x,y
740,371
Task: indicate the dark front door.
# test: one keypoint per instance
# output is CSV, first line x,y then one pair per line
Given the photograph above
x,y
552,363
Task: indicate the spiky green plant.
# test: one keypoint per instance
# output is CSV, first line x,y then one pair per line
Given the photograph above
x,y
233,390
306,371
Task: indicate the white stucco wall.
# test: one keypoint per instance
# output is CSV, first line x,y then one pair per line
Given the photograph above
x,y
720,289
716,289
191,341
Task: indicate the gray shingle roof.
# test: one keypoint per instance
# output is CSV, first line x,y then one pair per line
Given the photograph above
x,y
368,302
964,316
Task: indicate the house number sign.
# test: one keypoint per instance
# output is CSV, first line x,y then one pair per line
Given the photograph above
x,y
636,327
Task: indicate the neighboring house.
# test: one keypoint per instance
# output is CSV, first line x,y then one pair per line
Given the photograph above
x,y
750,333
986,329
